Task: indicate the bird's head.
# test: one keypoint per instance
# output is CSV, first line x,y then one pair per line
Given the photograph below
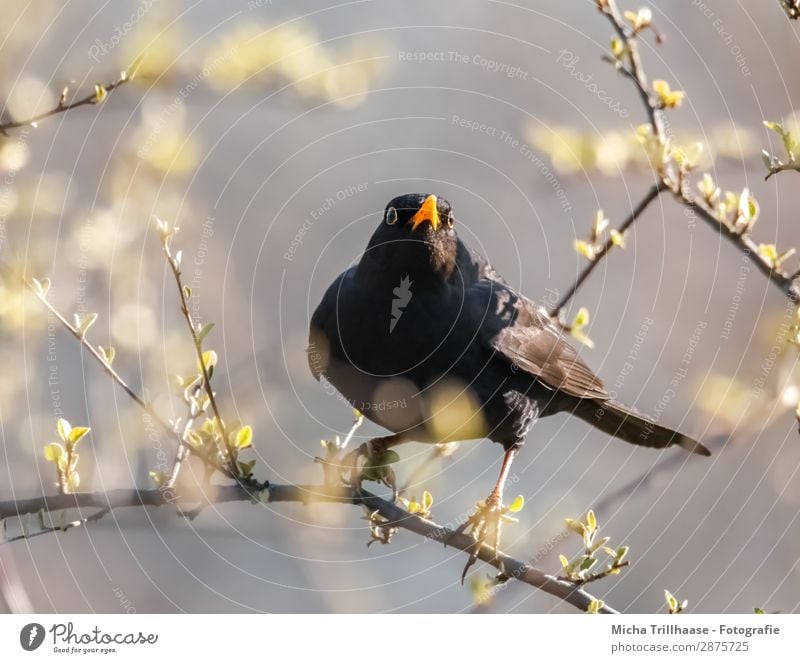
x,y
417,232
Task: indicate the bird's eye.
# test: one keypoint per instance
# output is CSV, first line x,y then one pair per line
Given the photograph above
x,y
450,220
391,216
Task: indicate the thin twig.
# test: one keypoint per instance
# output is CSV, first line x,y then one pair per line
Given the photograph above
x,y
357,421
651,195
394,515
182,451
636,70
774,170
786,283
63,528
62,106
174,264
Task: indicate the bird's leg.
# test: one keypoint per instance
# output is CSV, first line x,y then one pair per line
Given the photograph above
x,y
376,464
489,516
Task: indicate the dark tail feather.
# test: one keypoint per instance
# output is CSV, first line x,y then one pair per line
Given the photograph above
x,y
619,422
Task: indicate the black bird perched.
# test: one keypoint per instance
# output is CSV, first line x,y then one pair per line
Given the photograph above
x,y
427,340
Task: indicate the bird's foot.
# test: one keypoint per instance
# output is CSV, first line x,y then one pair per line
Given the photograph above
x,y
485,527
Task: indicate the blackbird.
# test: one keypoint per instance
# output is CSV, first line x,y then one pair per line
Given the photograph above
x,y
426,339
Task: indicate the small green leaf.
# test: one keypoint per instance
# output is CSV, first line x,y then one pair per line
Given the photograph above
x,y
100,93
204,331
133,68
564,562
108,354
579,323
581,319
64,429
622,552
587,250
53,452
595,606
672,602
244,437
194,439
517,504
575,525
667,97
83,322
748,207
77,434
209,360
370,473
591,521
42,287
758,611
427,501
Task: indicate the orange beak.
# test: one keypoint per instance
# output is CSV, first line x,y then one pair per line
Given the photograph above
x,y
427,212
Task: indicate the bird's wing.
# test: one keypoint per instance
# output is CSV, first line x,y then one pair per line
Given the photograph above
x,y
522,333
323,324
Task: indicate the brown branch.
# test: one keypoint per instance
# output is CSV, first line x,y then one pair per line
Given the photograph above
x,y
62,107
788,284
394,515
774,170
651,195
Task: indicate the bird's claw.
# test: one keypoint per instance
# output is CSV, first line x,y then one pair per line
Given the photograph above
x,y
484,526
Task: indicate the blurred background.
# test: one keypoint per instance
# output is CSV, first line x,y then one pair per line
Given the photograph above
x,y
273,133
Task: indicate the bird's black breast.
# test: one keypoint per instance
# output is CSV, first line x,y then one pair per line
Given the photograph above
x,y
381,345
